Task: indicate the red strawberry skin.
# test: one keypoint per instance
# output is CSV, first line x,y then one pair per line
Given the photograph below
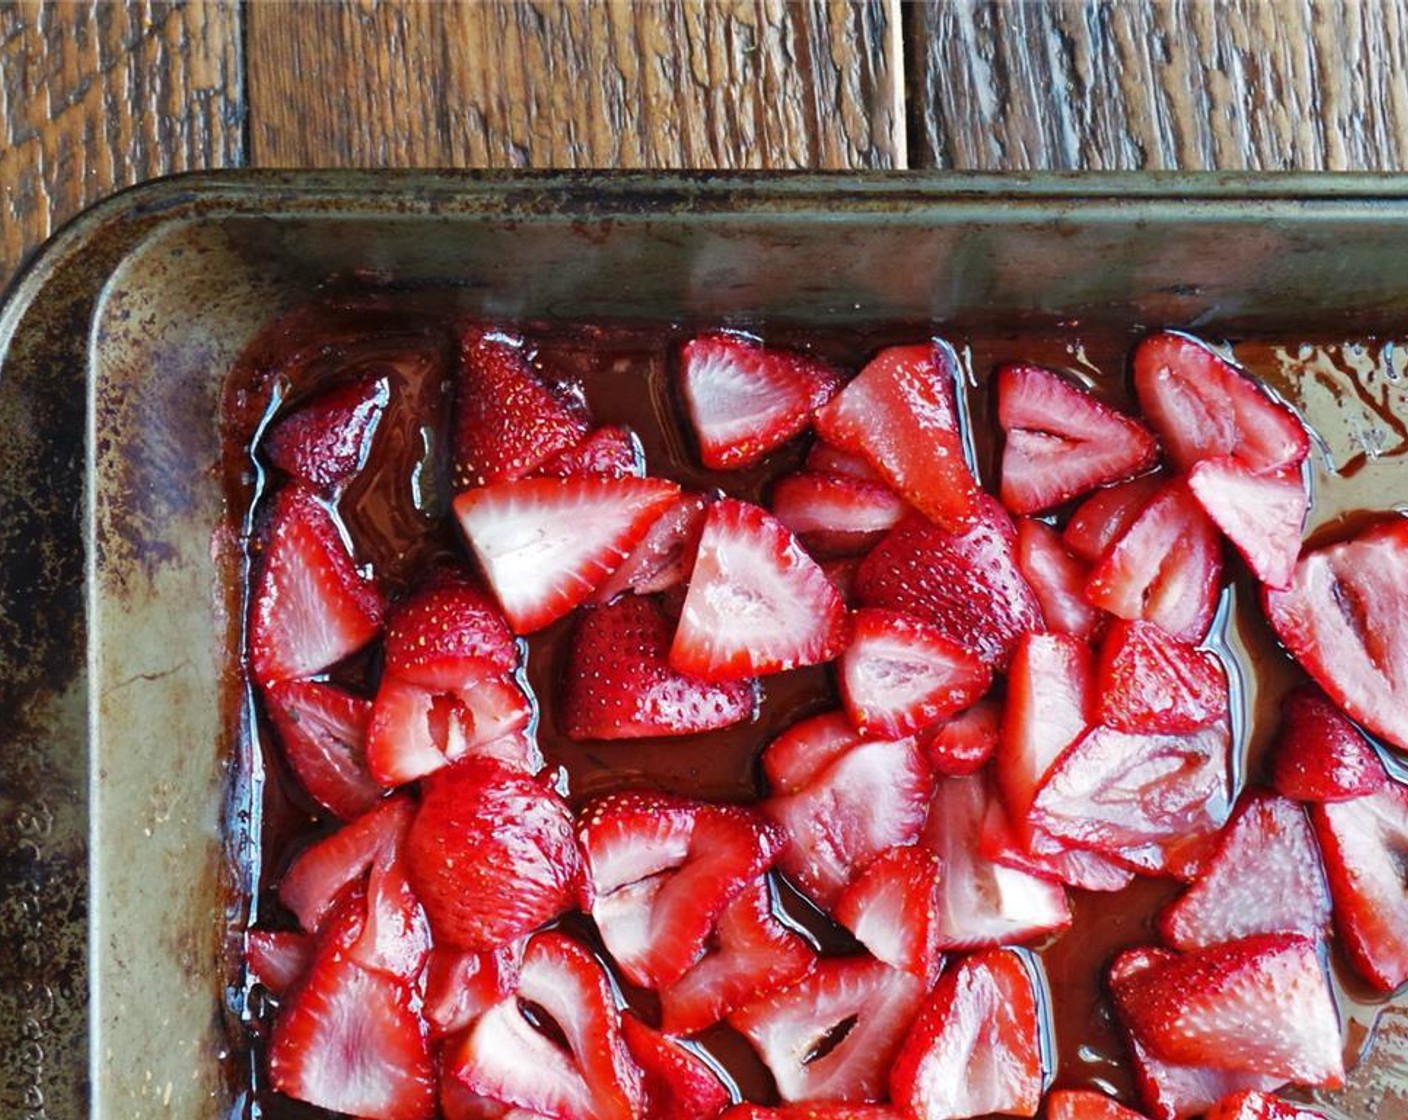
x,y
676,1084
1084,1104
1150,681
1254,1105
610,452
1318,755
327,439
890,909
1107,514
962,744
323,732
449,616
1058,577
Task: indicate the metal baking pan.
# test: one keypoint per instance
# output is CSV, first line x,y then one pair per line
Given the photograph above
x,y
116,610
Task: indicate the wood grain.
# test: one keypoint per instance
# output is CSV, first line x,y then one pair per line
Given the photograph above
x,y
745,83
1161,84
96,96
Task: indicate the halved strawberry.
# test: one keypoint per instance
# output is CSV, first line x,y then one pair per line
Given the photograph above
x,y
459,986
323,732
676,1083
823,458
967,585
1364,842
312,607
1062,440
963,743
547,543
890,909
757,603
749,954
1048,858
277,959
664,557
832,1035
662,868
491,854
744,399
901,414
1342,619
976,1047
609,452
1318,755
1106,516
1255,1105
1167,567
450,615
1265,877
1202,407
1150,681
899,675
618,683
1086,1104
327,439
554,1045
1261,514
1058,578
835,515
508,420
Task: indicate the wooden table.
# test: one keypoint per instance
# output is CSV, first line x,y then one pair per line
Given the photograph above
x,y
97,95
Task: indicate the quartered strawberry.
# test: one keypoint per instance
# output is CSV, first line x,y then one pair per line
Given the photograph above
x,y
1203,407
963,743
1254,1105
1318,755
1342,619
835,515
491,854
901,415
664,557
618,683
450,615
976,1046
277,959
1364,842
545,544
1058,578
1265,877
1261,514
508,420
326,440
1107,514
802,1036
1167,567
311,607
749,955
1048,858
813,1111
323,732
1086,1104
823,458
966,584
609,452
662,869
899,675
757,603
676,1084
1061,440
1262,1004
1148,680
554,1045
889,908
745,399
460,986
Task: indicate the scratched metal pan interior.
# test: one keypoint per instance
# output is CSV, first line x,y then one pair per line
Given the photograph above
x,y
120,783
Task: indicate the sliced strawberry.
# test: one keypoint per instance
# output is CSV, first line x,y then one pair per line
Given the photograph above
x,y
967,585
508,420
1318,755
1048,858
890,909
1085,1104
812,1111
1265,877
1342,619
395,937
832,1035
801,754
547,543
744,399
1150,681
664,557
326,440
449,616
899,674
757,602
1202,407
1365,845
869,797
823,458
277,960
491,854
609,452
1254,1105
459,987
901,415
1061,440
554,1046
835,515
676,1083
976,1047
312,607
618,683
963,743
1166,568
662,869
323,732
1058,578
1106,516
1261,514
749,955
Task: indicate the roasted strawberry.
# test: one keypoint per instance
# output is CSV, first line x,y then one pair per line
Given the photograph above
x,y
610,452
1150,681
618,683
1058,578
277,959
890,909
459,986
802,753
676,1084
1261,514
801,1032
1342,619
1048,858
547,543
395,935
664,557
325,440
1061,440
823,458
1105,516
976,1047
901,414
323,732
744,399
835,515
449,616
1254,1105
757,603
963,743
1318,755
967,585
1085,1104
812,1111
